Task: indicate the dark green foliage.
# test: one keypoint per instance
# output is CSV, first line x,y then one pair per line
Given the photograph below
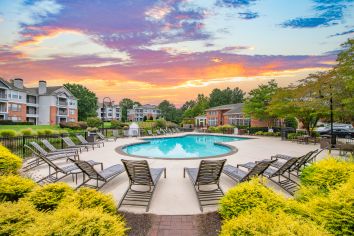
x,y
226,96
94,122
87,100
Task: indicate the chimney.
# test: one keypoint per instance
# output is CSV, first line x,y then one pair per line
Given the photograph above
x,y
42,87
18,83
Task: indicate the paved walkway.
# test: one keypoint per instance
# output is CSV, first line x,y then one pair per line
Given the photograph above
x,y
169,225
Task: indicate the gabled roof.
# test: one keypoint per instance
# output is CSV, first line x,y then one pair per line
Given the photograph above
x,y
237,108
234,108
11,86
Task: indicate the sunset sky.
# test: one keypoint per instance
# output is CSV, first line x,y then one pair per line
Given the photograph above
x,y
151,50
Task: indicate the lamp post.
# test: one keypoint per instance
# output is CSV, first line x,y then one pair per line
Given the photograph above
x,y
333,137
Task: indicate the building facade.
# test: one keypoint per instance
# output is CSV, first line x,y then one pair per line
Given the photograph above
x,y
231,114
109,111
137,113
40,105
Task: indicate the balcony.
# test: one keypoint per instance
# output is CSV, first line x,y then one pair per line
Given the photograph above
x,y
62,102
31,112
3,95
62,112
31,100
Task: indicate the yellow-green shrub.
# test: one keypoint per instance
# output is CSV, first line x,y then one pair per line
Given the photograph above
x,y
246,196
73,221
336,210
9,163
13,187
49,196
8,133
327,173
90,198
16,217
27,132
263,222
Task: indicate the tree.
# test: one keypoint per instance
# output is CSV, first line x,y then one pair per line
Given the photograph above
x,y
258,101
87,100
201,104
125,104
227,96
187,105
170,112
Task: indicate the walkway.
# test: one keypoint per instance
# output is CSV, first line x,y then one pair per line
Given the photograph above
x,y
167,225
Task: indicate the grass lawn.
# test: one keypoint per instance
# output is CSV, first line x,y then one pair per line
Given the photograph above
x,y
34,127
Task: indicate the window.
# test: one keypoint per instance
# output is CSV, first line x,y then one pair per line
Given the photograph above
x,y
15,118
212,122
14,95
72,112
15,107
72,120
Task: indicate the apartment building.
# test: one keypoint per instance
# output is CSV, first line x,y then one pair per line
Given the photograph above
x,y
137,113
231,114
42,105
109,111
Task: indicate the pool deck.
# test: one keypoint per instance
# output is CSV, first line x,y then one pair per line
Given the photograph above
x,y
175,195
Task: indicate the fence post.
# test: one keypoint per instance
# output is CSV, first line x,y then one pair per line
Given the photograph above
x,y
61,141
23,146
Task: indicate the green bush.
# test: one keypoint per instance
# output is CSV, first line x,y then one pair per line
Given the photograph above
x,y
336,210
49,196
82,124
89,198
70,125
73,221
263,222
327,173
9,162
291,121
246,196
48,131
116,124
27,132
13,187
94,122
8,133
16,217
161,123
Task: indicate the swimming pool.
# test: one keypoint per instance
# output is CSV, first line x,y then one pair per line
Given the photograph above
x,y
183,147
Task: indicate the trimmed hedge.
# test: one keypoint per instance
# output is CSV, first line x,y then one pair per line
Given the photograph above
x,y
14,187
9,163
49,196
246,196
263,222
11,122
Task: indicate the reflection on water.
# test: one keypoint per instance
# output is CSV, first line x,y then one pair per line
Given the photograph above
x,y
182,147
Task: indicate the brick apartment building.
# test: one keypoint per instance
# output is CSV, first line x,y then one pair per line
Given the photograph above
x,y
137,113
231,114
42,105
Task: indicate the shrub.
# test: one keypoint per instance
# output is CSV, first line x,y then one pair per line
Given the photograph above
x,y
48,131
94,122
327,173
16,217
70,125
116,124
161,123
9,162
49,196
73,221
263,222
27,132
8,133
89,198
291,121
11,122
82,124
13,187
246,196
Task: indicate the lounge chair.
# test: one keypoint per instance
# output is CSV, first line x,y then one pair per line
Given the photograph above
x,y
277,172
85,142
158,132
240,175
53,149
163,131
150,132
58,154
71,144
64,171
140,174
104,138
207,174
105,175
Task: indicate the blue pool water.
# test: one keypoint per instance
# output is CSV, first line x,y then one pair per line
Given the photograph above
x,y
190,146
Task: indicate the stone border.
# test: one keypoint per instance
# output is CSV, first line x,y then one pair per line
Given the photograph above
x,y
233,149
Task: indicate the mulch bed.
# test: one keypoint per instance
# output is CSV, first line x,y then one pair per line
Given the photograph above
x,y
150,225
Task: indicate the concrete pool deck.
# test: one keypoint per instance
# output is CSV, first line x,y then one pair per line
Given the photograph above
x,y
175,195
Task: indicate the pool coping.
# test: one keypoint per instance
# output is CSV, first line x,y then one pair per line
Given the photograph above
x,y
232,148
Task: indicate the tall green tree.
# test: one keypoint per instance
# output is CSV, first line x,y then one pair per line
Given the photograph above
x,y
257,103
169,111
201,104
227,96
187,105
87,100
125,104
